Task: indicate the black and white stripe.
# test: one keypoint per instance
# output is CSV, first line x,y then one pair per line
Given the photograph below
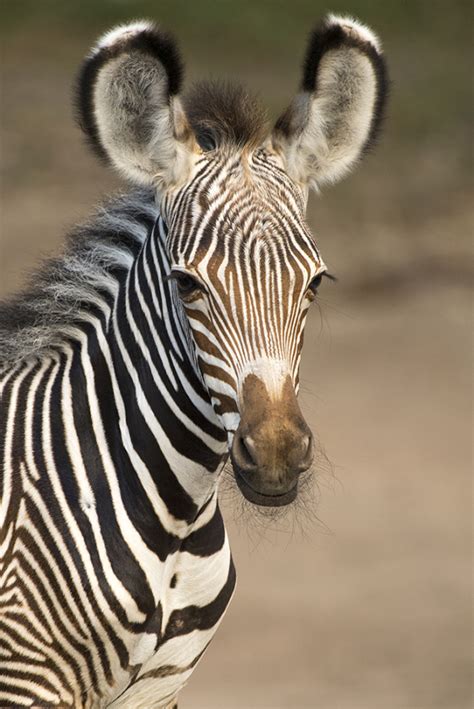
x,y
109,494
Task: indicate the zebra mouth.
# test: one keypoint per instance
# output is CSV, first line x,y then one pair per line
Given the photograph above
x,y
264,499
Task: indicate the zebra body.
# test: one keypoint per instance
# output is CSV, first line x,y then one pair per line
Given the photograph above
x,y
168,335
136,584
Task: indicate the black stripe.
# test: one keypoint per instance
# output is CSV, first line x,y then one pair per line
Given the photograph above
x,y
186,620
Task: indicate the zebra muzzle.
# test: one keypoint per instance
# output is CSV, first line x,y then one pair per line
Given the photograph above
x,y
272,445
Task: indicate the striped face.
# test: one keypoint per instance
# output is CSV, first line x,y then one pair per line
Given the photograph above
x,y
244,263
246,269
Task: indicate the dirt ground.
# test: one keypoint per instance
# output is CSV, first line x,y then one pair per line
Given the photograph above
x,y
361,597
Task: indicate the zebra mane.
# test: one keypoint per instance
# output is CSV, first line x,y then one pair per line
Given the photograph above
x,y
225,114
82,280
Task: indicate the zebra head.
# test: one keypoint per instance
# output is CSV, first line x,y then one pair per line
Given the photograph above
x,y
243,265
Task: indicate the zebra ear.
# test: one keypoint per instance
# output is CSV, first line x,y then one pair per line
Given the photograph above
x,y
337,114
128,105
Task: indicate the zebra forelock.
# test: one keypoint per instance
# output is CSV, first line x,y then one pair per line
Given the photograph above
x,y
222,113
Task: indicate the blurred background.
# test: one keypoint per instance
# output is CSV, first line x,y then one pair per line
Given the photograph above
x,y
361,598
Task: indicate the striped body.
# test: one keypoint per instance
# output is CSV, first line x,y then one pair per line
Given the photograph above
x,y
113,570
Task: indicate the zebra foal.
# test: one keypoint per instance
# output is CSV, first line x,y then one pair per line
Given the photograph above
x,y
165,339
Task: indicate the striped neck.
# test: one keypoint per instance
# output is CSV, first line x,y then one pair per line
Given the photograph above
x,y
171,444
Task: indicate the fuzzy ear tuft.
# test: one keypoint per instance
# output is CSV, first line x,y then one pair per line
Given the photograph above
x,y
338,113
127,102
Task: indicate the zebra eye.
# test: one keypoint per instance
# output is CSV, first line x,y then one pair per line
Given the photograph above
x,y
316,282
314,285
187,285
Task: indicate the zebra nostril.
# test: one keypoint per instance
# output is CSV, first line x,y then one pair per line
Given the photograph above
x,y
249,445
244,453
306,448
306,444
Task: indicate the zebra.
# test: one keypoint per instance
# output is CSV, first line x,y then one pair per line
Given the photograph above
x,y
165,339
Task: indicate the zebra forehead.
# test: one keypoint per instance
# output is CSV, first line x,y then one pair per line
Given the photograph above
x,y
235,199
254,175
258,236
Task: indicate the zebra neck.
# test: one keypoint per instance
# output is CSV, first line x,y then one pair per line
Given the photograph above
x,y
166,430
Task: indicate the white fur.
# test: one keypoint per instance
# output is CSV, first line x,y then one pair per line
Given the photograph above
x,y
327,140
353,25
120,32
139,125
272,372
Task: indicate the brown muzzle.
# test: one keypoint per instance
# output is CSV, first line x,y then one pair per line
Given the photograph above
x,y
272,445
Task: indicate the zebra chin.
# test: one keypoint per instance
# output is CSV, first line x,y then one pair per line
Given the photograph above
x,y
264,499
274,486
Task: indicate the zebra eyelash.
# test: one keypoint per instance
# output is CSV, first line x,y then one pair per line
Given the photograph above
x,y
317,280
